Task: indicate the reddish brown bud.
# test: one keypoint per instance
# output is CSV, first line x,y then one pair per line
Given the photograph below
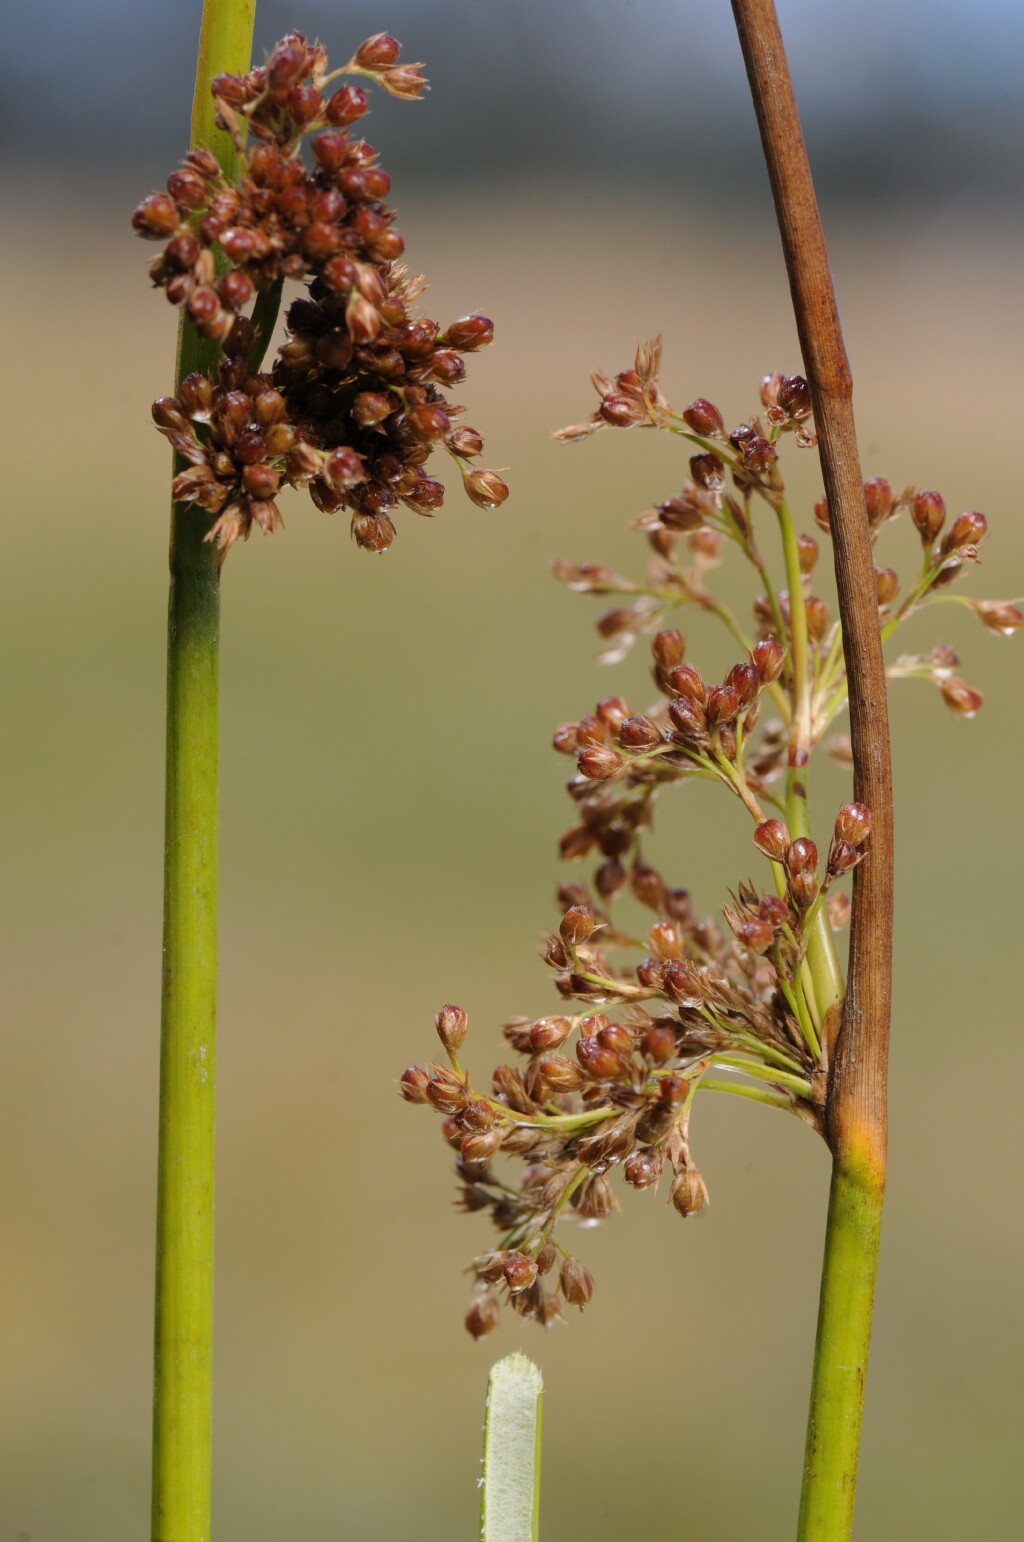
x,y
704,418
689,718
723,705
480,1146
821,516
599,1063
794,397
960,697
412,1084
853,823
757,935
659,1044
486,489
772,839
817,618
599,765
683,680
681,982
345,106
614,1036
842,857
650,974
639,733
998,616
966,530
708,472
808,552
643,1168
465,442
549,1033
577,925
156,217
928,511
887,585
746,682
483,1316
520,1271
469,332
668,648
560,1073
362,318
879,498
452,1025
768,656
404,81
665,940
381,49
576,1283
802,856
344,469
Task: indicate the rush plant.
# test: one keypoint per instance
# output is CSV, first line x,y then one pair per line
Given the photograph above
x,y
657,1004
278,187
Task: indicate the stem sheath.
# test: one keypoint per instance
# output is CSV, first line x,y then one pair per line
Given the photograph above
x,y
184,1253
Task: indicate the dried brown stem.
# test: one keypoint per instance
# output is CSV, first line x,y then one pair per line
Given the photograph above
x,y
856,1116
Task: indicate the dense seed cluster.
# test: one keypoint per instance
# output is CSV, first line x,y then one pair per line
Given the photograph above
x,y
354,401
671,1004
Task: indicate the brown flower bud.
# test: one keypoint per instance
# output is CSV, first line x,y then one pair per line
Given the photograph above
x,y
723,705
452,1025
639,733
469,332
412,1084
966,530
665,940
566,739
794,397
684,680
887,585
689,1193
559,1072
650,974
808,552
599,765
344,469
817,618
757,935
746,682
686,512
704,418
681,983
156,217
464,442
768,656
549,1033
362,318
928,511
853,823
659,1044
689,718
480,1146
614,1036
772,839
842,856
802,855
381,49
428,422
483,1316
576,1283
477,1115
773,909
486,489
821,516
998,616
960,697
708,472
577,925
346,106
879,498
599,1063
406,81
643,1168
668,648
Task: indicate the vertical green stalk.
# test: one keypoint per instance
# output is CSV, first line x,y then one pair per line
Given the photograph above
x,y
184,1254
510,1484
841,1353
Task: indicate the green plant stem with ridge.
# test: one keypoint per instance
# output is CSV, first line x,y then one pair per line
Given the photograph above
x,y
184,1255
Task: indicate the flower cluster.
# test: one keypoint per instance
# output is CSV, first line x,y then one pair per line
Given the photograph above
x,y
355,401
749,1008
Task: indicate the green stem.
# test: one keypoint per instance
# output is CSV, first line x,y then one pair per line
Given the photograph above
x,y
184,1253
510,1490
841,1354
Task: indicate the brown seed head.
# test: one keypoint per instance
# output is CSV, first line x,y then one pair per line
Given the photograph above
x,y
704,418
688,1193
576,1282
772,839
928,511
452,1025
853,823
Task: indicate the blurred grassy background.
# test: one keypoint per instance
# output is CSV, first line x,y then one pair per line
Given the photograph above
x,y
390,809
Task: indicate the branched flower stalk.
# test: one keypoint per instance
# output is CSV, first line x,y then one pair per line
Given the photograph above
x,y
351,408
675,1004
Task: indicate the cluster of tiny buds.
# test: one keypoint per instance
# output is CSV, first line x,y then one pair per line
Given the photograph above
x,y
798,859
355,396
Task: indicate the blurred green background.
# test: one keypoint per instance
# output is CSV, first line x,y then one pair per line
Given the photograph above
x,y
391,806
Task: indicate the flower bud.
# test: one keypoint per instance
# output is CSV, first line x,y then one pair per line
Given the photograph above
x,y
842,856
404,81
379,50
469,332
768,656
549,1033
483,1316
519,1270
928,511
599,765
577,925
879,499
772,839
757,935
794,397
998,616
723,705
659,1044
853,823
156,217
576,1282
689,718
966,530
802,856
668,648
708,472
486,489
412,1084
639,733
599,1063
689,1193
960,697
887,585
808,552
681,983
452,1024
704,418
560,1074
817,618
746,682
821,516
684,680
665,940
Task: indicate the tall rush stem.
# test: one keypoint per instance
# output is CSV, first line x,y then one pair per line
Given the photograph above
x,y
184,1253
857,1082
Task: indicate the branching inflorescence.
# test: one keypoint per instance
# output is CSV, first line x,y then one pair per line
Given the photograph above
x,y
751,1008
354,401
